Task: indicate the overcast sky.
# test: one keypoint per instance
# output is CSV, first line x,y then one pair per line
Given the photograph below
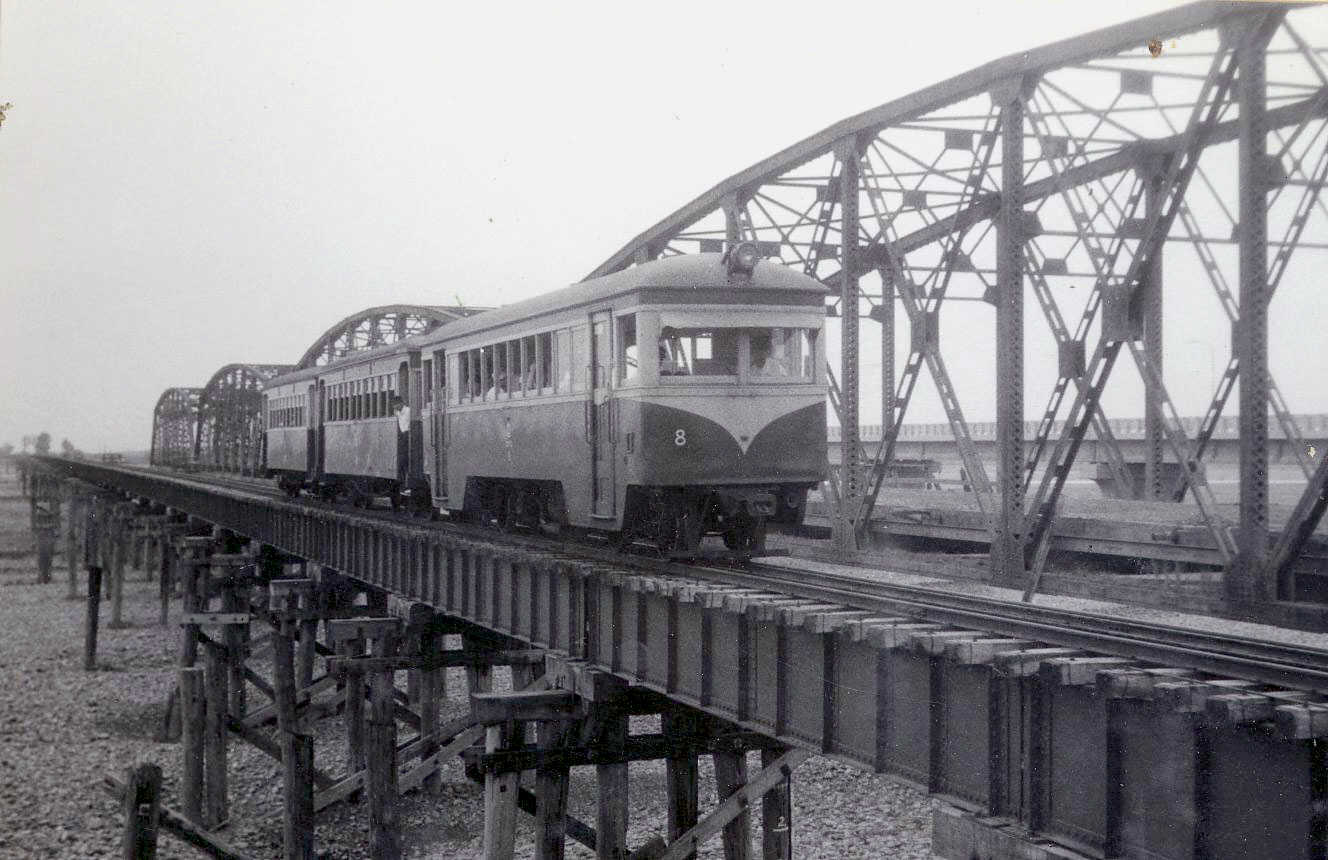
x,y
190,184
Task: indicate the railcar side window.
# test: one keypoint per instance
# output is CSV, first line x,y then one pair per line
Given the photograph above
x,y
783,352
698,352
486,372
628,363
461,370
530,361
579,357
427,380
563,360
544,349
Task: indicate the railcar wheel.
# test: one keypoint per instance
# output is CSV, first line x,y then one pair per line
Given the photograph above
x,y
746,536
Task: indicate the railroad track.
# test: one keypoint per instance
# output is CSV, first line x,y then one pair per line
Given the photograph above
x,y
1258,660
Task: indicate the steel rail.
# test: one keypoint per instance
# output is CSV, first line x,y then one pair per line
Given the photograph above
x,y
1219,654
1243,657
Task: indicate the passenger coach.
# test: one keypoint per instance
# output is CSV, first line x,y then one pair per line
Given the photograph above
x,y
674,399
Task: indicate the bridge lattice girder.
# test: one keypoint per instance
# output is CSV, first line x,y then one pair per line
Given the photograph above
x,y
1079,161
230,418
174,427
379,326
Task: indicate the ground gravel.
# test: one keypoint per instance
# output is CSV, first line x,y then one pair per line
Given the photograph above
x,y
63,729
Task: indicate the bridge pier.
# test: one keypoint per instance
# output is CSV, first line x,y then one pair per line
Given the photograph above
x,y
76,500
45,505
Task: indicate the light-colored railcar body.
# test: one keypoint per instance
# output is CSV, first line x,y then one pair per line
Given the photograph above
x,y
676,398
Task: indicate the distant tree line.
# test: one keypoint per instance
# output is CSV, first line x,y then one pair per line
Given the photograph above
x,y
40,445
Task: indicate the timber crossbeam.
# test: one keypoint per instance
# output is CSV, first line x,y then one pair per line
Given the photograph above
x,y
637,748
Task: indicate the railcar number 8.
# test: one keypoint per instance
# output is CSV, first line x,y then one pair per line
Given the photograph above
x,y
680,437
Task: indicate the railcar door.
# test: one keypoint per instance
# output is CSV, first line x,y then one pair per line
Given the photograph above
x,y
601,417
439,418
318,410
311,434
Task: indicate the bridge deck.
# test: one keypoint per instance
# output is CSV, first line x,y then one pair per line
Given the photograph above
x,y
1100,753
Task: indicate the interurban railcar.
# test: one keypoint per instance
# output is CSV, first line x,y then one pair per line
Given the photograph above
x,y
671,400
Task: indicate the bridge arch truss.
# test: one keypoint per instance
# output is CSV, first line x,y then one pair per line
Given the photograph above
x,y
229,437
378,326
1074,164
174,427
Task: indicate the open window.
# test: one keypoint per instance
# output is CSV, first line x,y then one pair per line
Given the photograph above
x,y
698,352
544,359
782,353
628,360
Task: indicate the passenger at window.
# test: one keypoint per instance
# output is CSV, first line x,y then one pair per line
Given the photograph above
x,y
530,377
403,437
764,360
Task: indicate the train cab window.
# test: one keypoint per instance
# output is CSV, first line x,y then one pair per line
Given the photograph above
x,y
698,352
544,371
783,353
384,396
629,365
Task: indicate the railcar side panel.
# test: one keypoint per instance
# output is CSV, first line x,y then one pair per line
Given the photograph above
x,y
367,448
287,449
540,439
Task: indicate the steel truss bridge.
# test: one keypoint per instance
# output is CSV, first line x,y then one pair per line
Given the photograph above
x,y
1203,129
219,427
1078,162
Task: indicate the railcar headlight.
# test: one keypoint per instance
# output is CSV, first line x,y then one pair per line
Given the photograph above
x,y
743,258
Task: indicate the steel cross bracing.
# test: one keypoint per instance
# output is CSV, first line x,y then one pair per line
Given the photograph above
x,y
1117,151
1103,261
1173,186
922,305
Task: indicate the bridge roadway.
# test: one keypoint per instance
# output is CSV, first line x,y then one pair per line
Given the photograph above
x,y
1069,741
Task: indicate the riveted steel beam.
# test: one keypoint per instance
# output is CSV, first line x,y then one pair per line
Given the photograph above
x,y
1007,541
848,154
1247,579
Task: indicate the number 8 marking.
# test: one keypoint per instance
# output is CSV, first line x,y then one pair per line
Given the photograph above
x,y
680,438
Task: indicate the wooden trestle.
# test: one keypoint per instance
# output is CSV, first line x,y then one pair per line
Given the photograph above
x,y
1091,754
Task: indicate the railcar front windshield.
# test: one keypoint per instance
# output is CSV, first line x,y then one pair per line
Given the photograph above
x,y
698,352
755,354
785,353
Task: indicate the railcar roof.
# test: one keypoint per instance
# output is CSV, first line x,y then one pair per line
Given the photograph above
x,y
686,271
